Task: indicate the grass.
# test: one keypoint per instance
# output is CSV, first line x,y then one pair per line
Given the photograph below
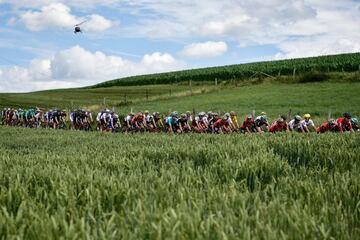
x,y
90,185
67,98
317,98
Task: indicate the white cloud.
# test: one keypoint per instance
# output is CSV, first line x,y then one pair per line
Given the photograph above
x,y
97,23
58,15
205,49
82,4
75,67
332,25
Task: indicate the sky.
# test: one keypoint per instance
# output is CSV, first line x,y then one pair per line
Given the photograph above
x,y
39,50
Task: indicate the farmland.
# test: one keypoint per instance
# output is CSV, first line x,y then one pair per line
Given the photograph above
x,y
316,98
74,185
91,185
242,72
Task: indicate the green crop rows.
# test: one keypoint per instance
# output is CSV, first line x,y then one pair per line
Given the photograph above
x,y
334,63
90,185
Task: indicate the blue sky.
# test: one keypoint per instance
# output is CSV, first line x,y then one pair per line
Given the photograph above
x,y
38,49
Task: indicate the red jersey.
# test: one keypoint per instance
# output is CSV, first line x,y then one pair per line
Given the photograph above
x,y
278,127
344,124
137,118
325,127
248,123
220,123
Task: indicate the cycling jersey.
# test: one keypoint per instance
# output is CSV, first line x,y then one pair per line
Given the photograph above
x,y
278,127
248,123
221,123
98,117
234,120
138,119
295,125
261,121
326,127
344,124
306,123
171,121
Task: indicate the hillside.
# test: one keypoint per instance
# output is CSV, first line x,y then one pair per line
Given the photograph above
x,y
241,72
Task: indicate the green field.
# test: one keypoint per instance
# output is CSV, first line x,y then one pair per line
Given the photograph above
x,y
275,98
77,185
242,72
58,184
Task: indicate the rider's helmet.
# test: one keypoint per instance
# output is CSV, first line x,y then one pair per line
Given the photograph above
x,y
347,115
354,121
188,112
283,117
297,118
227,115
280,120
201,114
215,114
131,113
249,117
263,113
146,112
307,116
331,121
209,113
183,115
232,113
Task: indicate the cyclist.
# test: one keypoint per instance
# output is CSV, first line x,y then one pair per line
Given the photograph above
x,y
114,122
355,124
295,124
280,125
221,125
127,121
184,124
248,125
189,117
307,123
138,122
329,126
345,123
21,114
200,123
261,122
171,123
212,120
106,122
30,117
234,125
158,123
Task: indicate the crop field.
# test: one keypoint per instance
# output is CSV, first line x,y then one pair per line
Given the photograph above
x,y
316,98
80,97
90,185
332,63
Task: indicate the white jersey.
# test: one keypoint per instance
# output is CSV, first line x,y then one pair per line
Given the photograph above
x,y
98,116
128,118
205,120
308,123
105,116
293,125
148,118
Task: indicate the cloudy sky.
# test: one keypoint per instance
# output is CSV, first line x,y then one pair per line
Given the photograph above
x,y
38,49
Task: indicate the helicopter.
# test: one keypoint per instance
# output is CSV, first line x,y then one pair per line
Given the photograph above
x,y
77,27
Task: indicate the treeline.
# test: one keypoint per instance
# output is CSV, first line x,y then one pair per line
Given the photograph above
x,y
332,63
